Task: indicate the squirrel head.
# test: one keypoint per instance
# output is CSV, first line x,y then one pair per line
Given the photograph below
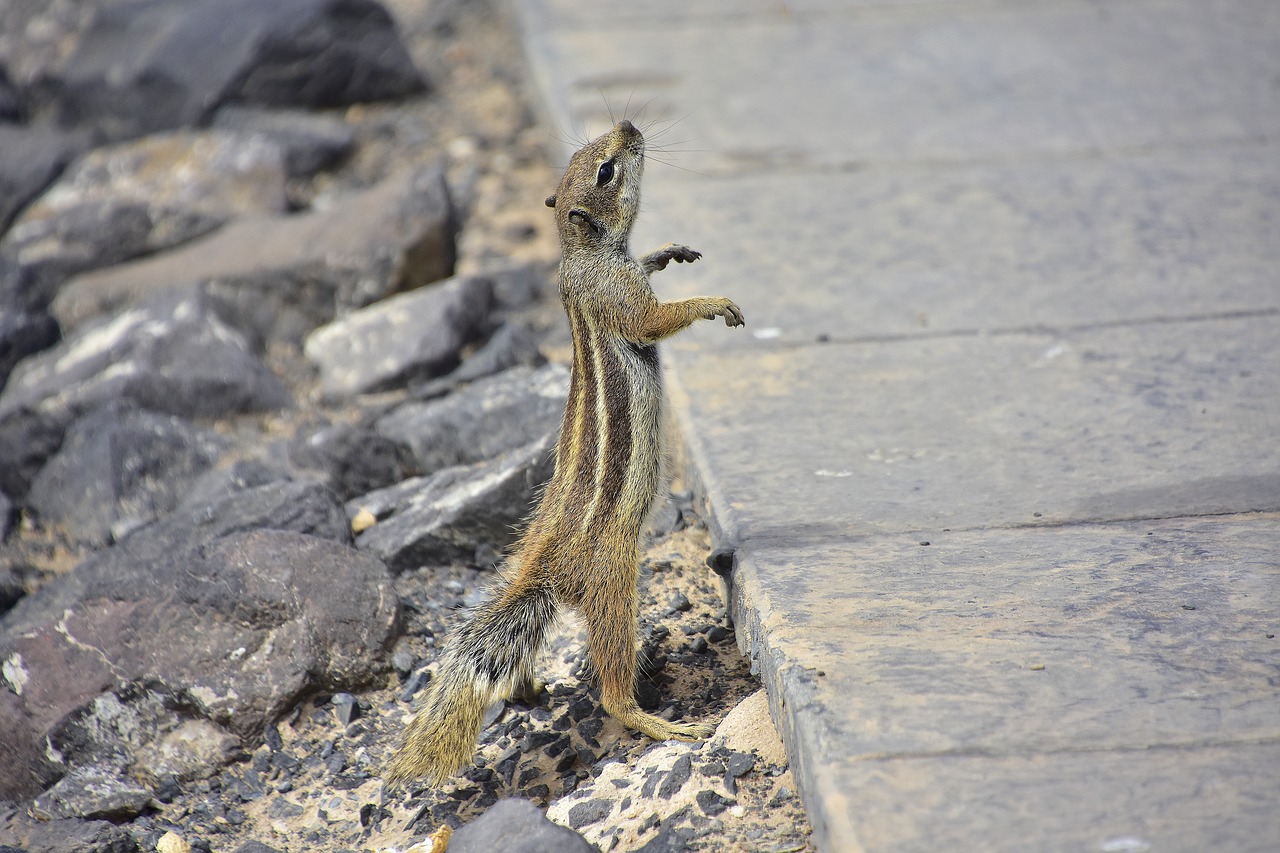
x,y
599,195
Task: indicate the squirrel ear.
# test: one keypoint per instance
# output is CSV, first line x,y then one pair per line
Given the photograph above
x,y
550,201
582,220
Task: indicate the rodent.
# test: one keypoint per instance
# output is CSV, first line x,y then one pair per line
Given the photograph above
x,y
581,546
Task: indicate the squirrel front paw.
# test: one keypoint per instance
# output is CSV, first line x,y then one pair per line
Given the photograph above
x,y
728,309
658,260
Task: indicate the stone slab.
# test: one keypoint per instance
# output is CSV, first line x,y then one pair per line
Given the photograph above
x,y
1056,684
1175,800
921,250
841,88
973,431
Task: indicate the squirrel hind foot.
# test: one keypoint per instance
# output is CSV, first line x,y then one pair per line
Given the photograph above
x,y
658,728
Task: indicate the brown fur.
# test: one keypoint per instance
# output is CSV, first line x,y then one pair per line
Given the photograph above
x,y
580,548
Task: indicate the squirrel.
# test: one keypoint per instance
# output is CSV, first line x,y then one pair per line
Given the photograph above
x,y
580,548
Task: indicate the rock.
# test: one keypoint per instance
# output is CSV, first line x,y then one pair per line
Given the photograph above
x,y
519,286
115,749
244,625
513,344
446,517
588,812
31,158
301,507
311,143
123,201
172,355
740,764
712,803
22,334
12,587
120,468
489,417
193,750
352,460
255,847
516,826
30,835
172,842
159,64
674,781
278,277
407,338
223,482
10,99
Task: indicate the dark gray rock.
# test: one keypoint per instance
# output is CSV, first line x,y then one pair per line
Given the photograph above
x,y
29,835
448,516
489,417
173,355
519,286
245,625
680,773
220,483
120,468
12,587
21,334
114,750
131,199
278,277
516,826
739,764
159,64
589,812
513,344
31,158
303,506
407,338
712,803
255,847
353,461
311,142
10,99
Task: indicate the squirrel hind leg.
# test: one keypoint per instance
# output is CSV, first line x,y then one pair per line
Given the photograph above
x,y
612,643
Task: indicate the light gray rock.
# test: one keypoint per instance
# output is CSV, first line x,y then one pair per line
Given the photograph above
x,y
448,516
114,749
406,338
131,199
489,417
172,355
311,142
278,277
120,468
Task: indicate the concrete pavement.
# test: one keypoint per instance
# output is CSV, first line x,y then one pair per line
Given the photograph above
x,y
999,450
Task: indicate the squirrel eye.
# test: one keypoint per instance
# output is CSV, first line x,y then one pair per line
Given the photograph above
x,y
605,175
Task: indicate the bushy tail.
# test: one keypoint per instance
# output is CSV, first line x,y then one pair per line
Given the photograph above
x,y
489,658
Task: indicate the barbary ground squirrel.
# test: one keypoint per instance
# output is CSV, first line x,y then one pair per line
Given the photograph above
x,y
580,549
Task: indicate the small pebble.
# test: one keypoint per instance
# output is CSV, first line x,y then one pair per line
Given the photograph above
x,y
739,764
344,705
362,521
718,633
